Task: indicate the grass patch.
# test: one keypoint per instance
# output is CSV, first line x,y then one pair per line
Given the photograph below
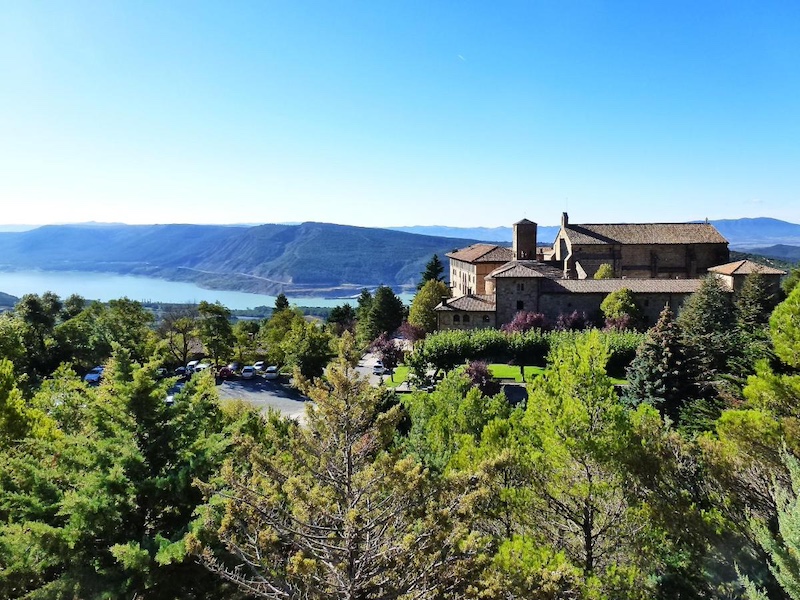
x,y
400,375
512,372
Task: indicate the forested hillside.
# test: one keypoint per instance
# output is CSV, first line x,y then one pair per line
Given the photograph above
x,y
311,258
682,482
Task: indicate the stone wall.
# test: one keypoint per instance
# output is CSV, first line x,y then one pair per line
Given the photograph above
x,y
670,261
513,295
553,305
474,320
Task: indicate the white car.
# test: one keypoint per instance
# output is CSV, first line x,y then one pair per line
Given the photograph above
x,y
379,369
259,365
271,372
201,367
248,372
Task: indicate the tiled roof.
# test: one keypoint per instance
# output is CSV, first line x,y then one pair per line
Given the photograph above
x,y
606,286
645,233
745,267
525,268
482,253
469,303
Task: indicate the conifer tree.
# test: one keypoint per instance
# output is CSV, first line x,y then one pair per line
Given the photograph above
x,y
754,302
783,546
434,271
659,373
281,303
332,512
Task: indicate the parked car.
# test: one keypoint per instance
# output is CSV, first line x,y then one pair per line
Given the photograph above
x,y
379,369
180,371
259,365
190,366
161,372
271,372
172,392
248,372
201,367
224,372
94,376
234,366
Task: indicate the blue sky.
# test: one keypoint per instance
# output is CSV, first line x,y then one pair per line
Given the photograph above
x,y
391,113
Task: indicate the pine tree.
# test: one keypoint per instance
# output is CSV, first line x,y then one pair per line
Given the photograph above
x,y
754,302
783,546
331,512
434,271
281,303
658,374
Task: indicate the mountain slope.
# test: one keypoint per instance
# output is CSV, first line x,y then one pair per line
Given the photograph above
x,y
307,258
740,233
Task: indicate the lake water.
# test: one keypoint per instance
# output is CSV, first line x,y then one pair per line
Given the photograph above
x,y
105,286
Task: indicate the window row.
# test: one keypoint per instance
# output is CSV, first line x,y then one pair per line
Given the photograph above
x,y
466,319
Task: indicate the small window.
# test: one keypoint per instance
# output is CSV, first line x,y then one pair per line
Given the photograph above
x,y
520,305
520,287
485,318
456,318
466,318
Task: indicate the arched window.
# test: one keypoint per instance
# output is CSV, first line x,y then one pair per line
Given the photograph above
x,y
456,319
466,318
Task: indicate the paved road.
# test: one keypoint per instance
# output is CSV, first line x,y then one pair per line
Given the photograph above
x,y
265,394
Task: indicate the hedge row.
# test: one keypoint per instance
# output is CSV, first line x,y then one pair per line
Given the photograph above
x,y
445,350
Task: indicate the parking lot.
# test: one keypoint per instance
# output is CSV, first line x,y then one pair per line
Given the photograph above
x,y
265,394
279,394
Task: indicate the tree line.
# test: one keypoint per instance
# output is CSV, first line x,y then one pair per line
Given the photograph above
x,y
682,485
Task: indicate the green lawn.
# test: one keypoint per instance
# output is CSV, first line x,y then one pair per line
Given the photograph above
x,y
400,375
498,371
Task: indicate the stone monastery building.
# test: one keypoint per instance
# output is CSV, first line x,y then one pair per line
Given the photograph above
x,y
661,263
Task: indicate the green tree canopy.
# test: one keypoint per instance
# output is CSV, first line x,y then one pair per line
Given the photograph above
x,y
604,271
427,298
331,512
215,330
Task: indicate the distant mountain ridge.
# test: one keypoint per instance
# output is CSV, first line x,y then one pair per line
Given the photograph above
x,y
310,258
319,259
741,233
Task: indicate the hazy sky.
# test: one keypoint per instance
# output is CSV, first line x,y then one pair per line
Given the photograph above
x,y
387,113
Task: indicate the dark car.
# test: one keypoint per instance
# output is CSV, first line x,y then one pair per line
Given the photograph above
x,y
94,376
224,372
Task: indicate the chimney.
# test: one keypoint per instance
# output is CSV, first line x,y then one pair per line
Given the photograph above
x,y
564,219
444,300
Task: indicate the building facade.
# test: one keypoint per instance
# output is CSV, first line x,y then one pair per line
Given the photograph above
x,y
660,263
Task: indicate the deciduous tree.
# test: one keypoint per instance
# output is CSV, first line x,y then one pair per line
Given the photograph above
x,y
427,298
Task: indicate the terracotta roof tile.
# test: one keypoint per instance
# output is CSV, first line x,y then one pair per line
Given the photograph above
x,y
745,267
482,253
606,286
525,268
469,303
645,233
